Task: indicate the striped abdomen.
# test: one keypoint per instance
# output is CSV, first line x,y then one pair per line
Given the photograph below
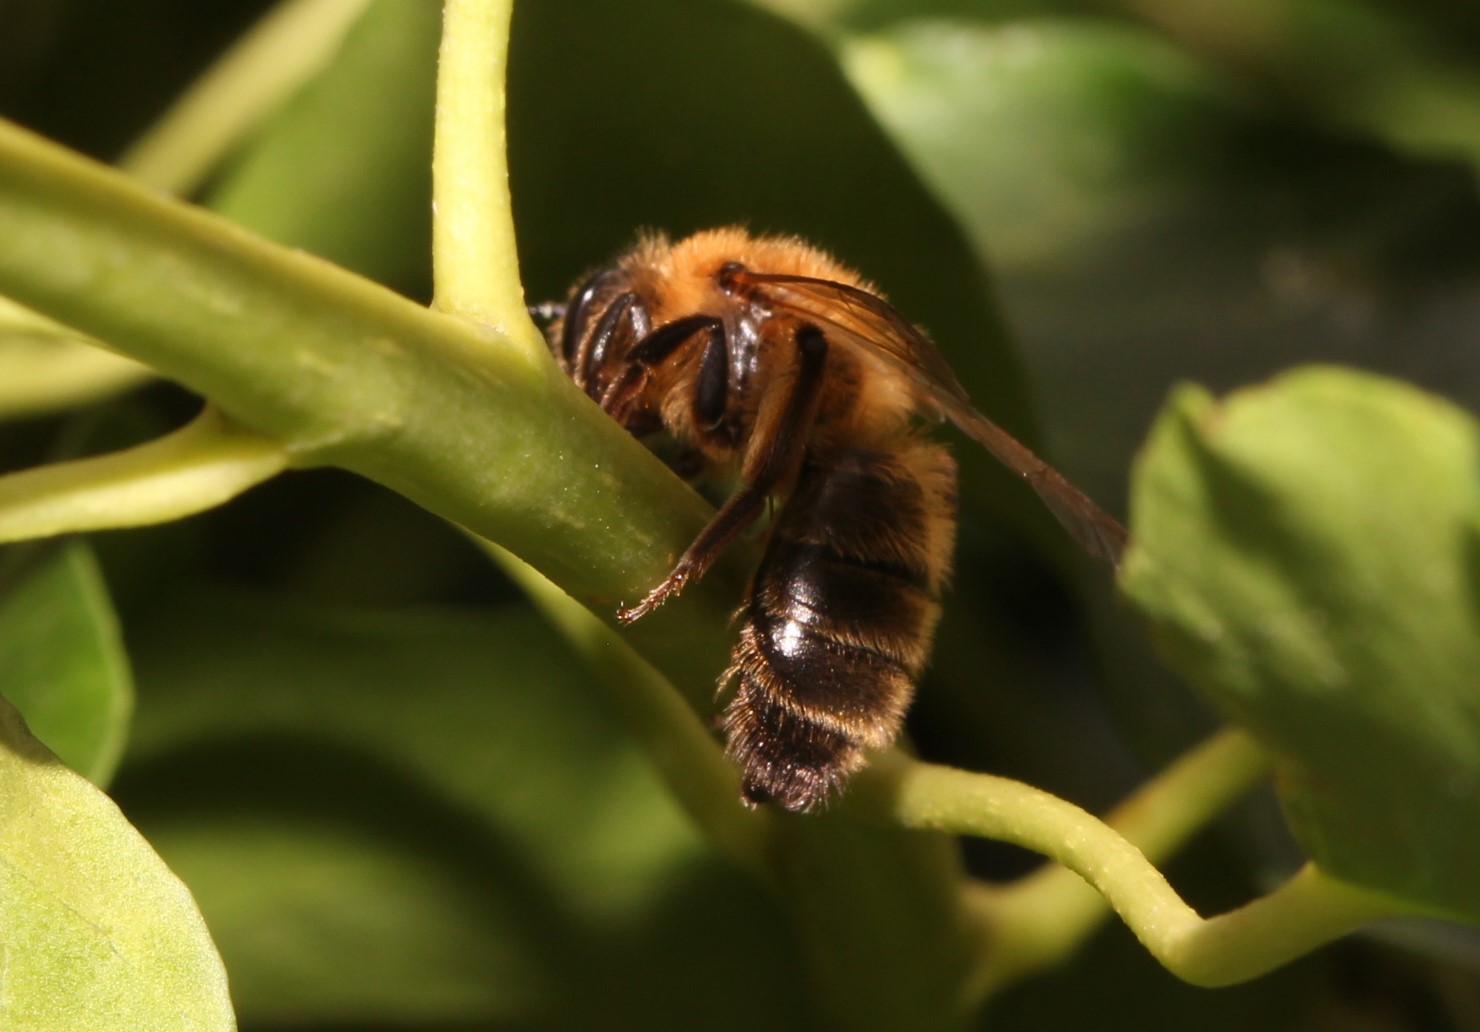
x,y
840,618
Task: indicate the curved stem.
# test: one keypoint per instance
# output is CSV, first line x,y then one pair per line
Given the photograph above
x,y
687,757
1308,911
193,469
1038,920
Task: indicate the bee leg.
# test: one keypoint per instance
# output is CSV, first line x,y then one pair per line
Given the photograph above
x,y
712,389
656,347
574,318
593,351
777,443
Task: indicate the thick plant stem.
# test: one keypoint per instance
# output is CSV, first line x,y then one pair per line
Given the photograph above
x,y
343,371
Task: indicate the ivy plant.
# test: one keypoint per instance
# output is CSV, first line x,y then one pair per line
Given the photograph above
x,y
391,805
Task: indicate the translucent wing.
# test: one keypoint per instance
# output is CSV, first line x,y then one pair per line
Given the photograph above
x,y
874,325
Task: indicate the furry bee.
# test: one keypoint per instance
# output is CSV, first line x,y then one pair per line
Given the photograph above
x,y
764,358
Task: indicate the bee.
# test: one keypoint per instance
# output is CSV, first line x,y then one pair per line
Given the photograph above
x,y
765,359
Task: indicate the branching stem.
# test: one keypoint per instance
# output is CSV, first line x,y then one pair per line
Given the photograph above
x,y
1039,920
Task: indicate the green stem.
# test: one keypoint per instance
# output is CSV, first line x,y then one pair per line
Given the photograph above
x,y
191,470
1039,920
1310,910
442,410
238,91
477,275
889,895
475,262
682,749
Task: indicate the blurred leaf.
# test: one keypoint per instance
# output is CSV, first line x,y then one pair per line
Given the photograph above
x,y
1150,218
62,662
1399,73
249,82
95,931
882,922
434,817
1042,137
1310,558
344,171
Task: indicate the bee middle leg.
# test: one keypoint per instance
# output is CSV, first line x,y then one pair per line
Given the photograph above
x,y
777,442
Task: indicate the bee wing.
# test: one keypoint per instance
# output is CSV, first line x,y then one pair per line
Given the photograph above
x,y
877,327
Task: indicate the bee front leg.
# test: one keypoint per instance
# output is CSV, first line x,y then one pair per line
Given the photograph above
x,y
657,347
775,448
592,352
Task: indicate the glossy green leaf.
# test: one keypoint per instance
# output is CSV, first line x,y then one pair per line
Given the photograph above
x,y
95,931
1310,558
431,816
62,661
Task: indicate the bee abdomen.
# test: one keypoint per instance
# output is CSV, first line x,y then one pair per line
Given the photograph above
x,y
839,619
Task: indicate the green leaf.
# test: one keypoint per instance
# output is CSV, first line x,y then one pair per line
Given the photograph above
x,y
95,931
1042,137
1149,220
1309,554
62,662
1400,71
431,816
1401,74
